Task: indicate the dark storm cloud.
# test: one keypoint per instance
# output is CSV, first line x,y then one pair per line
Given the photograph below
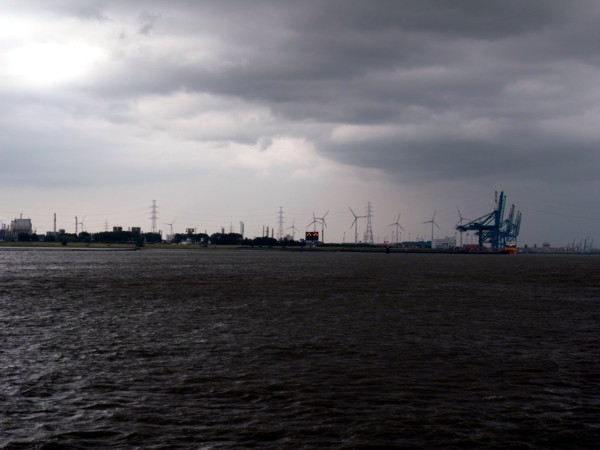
x,y
461,88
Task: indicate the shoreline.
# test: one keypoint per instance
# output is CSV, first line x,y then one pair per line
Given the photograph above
x,y
55,246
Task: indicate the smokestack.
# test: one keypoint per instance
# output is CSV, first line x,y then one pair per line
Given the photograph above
x,y
54,224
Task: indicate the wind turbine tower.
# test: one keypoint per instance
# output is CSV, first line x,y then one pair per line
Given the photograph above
x,y
171,225
293,228
398,227
82,226
458,225
314,223
323,226
369,232
432,222
355,225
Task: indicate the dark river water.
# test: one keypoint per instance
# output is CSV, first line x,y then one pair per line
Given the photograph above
x,y
270,349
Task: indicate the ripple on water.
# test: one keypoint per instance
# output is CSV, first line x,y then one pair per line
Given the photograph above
x,y
285,350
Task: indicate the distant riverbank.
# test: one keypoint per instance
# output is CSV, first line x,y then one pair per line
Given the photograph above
x,y
130,246
10,245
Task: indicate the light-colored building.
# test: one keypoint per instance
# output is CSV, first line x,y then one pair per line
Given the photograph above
x,y
447,243
20,226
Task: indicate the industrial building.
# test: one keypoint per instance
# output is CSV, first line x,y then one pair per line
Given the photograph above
x,y
447,243
17,227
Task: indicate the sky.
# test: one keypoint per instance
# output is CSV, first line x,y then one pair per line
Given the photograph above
x,y
226,111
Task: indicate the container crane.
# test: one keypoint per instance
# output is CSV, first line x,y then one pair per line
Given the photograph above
x,y
492,229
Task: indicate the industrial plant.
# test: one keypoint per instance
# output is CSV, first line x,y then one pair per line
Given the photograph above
x,y
491,232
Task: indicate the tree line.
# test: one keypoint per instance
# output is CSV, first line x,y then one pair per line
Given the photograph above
x,y
138,238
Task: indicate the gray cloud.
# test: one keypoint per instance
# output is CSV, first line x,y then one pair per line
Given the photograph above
x,y
422,90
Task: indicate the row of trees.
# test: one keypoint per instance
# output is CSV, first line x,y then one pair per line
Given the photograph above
x,y
106,237
114,237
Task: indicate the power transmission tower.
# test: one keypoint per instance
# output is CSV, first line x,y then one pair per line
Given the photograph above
x,y
280,222
153,216
369,232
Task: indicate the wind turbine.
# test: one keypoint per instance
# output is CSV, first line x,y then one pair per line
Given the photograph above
x,y
459,223
294,229
314,222
323,225
83,229
171,225
398,226
355,225
432,222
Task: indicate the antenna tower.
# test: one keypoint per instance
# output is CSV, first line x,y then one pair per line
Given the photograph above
x,y
280,222
369,232
153,216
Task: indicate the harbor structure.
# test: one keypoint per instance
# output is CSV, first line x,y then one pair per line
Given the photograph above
x,y
493,229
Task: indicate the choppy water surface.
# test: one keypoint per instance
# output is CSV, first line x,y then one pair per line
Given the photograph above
x,y
269,349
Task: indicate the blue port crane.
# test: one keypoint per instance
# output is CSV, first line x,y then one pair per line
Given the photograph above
x,y
493,229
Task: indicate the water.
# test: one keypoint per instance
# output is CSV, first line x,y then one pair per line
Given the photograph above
x,y
269,349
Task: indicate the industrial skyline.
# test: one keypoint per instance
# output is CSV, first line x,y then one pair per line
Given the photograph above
x,y
460,231
224,112
465,232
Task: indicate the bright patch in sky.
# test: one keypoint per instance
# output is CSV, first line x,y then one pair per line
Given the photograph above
x,y
51,63
223,112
